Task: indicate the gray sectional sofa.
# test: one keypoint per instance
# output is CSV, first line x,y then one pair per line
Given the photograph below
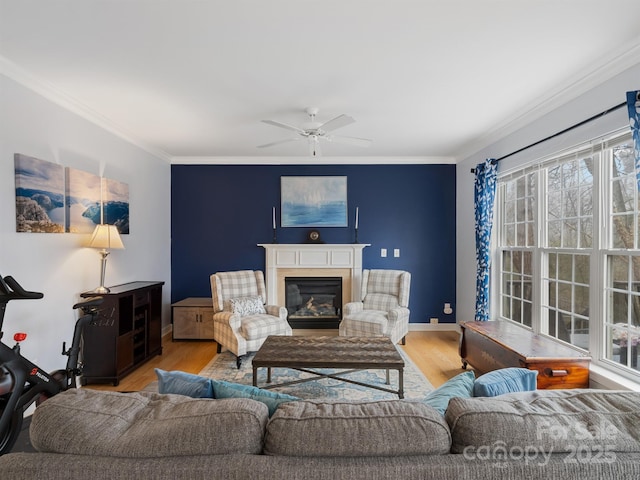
x,y
570,434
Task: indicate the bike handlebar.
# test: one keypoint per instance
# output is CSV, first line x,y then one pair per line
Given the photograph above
x,y
10,289
89,303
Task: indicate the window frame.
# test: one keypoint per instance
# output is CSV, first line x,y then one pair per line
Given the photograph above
x,y
599,251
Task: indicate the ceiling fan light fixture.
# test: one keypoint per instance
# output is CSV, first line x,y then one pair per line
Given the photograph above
x,y
314,146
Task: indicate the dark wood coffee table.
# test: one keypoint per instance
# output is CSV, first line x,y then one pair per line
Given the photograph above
x,y
350,353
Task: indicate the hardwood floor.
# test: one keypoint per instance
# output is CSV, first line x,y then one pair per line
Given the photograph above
x,y
188,356
435,354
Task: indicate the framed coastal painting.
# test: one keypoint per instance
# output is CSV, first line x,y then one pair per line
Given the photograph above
x,y
39,195
313,201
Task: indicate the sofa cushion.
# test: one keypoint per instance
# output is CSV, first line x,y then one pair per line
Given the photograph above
x,y
459,386
146,425
505,380
272,400
555,421
183,383
350,429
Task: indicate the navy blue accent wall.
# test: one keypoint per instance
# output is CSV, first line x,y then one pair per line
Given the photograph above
x,y
219,213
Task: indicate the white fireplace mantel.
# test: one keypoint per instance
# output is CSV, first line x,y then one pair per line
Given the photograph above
x,y
312,257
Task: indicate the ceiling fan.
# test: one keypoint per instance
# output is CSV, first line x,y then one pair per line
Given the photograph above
x,y
315,131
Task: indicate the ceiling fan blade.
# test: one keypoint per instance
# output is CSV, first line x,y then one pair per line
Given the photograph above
x,y
360,142
278,142
284,125
339,121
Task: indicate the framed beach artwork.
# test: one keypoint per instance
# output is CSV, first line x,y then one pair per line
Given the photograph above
x,y
39,195
313,201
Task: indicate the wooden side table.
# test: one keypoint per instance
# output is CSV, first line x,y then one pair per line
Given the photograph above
x,y
493,345
192,319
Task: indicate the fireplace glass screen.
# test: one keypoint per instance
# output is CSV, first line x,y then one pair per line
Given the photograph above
x,y
313,302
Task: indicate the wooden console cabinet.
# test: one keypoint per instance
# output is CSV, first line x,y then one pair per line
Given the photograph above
x,y
192,319
488,346
128,332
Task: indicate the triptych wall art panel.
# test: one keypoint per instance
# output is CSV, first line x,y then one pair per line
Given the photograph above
x,y
83,195
53,199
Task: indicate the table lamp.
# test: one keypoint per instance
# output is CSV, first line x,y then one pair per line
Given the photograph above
x,y
105,237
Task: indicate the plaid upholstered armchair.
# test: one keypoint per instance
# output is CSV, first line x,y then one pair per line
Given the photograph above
x,y
384,309
241,320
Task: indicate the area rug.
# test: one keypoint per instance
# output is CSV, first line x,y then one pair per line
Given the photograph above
x,y
416,386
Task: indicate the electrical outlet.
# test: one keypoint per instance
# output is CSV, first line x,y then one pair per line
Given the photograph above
x,y
447,309
434,320
383,252
396,252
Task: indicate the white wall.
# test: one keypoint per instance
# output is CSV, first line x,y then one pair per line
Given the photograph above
x,y
58,264
599,99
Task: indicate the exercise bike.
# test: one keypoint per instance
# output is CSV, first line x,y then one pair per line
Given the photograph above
x,y
21,382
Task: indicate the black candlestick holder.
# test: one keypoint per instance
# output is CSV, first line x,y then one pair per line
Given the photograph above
x,y
356,240
275,238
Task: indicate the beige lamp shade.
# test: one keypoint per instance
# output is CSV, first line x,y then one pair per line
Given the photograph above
x,y
106,236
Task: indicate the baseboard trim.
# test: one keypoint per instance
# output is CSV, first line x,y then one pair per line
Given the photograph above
x,y
413,327
167,330
436,327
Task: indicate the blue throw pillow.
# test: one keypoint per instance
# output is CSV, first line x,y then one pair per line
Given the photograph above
x,y
222,389
459,386
183,383
505,380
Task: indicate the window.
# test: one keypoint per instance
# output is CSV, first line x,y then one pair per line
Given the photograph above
x,y
569,212
566,308
517,287
519,211
569,250
622,329
622,286
517,236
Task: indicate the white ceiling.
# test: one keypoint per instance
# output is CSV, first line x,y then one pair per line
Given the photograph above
x,y
422,78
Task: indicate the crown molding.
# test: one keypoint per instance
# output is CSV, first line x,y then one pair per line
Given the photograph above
x,y
55,95
581,83
300,160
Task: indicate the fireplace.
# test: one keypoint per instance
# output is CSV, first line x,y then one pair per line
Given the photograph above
x,y
319,261
313,302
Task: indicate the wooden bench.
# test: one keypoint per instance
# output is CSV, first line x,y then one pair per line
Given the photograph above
x,y
488,346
